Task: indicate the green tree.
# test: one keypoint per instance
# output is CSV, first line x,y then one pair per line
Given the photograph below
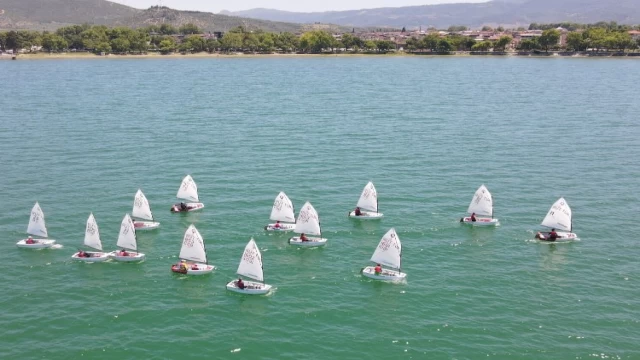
x,y
168,45
231,41
444,46
120,45
457,28
11,41
168,29
369,45
575,41
385,46
53,42
211,45
503,42
528,44
430,42
266,42
595,37
103,47
487,28
482,46
316,41
189,29
286,42
549,39
92,37
3,40
193,43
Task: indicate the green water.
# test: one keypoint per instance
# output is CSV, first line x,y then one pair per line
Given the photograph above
x,y
82,136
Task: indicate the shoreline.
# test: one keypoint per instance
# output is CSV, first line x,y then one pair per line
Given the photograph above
x,y
205,55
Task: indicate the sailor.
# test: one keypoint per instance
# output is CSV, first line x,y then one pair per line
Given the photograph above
x,y
378,269
553,235
303,237
183,207
30,240
240,284
358,212
473,217
277,225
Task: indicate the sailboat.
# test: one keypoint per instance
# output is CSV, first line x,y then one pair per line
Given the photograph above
x,y
481,205
193,250
388,254
188,191
127,241
367,205
92,240
250,267
283,213
558,218
142,210
37,227
308,223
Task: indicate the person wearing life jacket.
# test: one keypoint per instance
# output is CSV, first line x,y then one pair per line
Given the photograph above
x,y
378,269
240,284
277,225
183,265
123,252
473,217
183,207
303,237
30,240
358,212
553,235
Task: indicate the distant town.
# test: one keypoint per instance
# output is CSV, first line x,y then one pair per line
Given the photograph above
x,y
604,38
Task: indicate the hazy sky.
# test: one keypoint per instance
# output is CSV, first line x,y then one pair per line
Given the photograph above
x,y
290,5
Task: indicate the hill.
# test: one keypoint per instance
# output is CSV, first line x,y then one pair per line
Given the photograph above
x,y
496,12
52,14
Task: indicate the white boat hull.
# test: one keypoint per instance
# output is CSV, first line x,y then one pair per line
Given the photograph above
x,y
385,275
95,257
312,242
282,228
480,221
139,225
202,269
190,207
131,257
40,244
562,237
366,215
250,288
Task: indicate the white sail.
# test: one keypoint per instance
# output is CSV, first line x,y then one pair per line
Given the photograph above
x,y
389,250
127,237
369,198
251,262
482,202
193,246
92,234
141,208
188,190
559,216
37,226
308,221
282,209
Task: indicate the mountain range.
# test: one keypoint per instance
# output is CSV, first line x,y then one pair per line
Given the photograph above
x,y
496,12
52,14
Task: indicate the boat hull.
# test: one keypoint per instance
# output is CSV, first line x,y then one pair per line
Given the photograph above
x,y
312,242
562,237
190,207
284,227
95,257
251,288
480,221
139,225
40,244
131,257
386,275
202,269
366,215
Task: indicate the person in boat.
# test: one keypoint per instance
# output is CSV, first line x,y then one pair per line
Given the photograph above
x,y
378,269
358,212
183,207
277,225
303,237
183,265
553,235
240,284
473,217
30,240
123,252
83,254
194,267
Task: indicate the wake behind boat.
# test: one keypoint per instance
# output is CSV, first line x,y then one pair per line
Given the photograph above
x,y
559,217
282,213
91,240
127,241
389,254
481,205
193,255
141,213
308,223
367,206
37,227
250,267
188,192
